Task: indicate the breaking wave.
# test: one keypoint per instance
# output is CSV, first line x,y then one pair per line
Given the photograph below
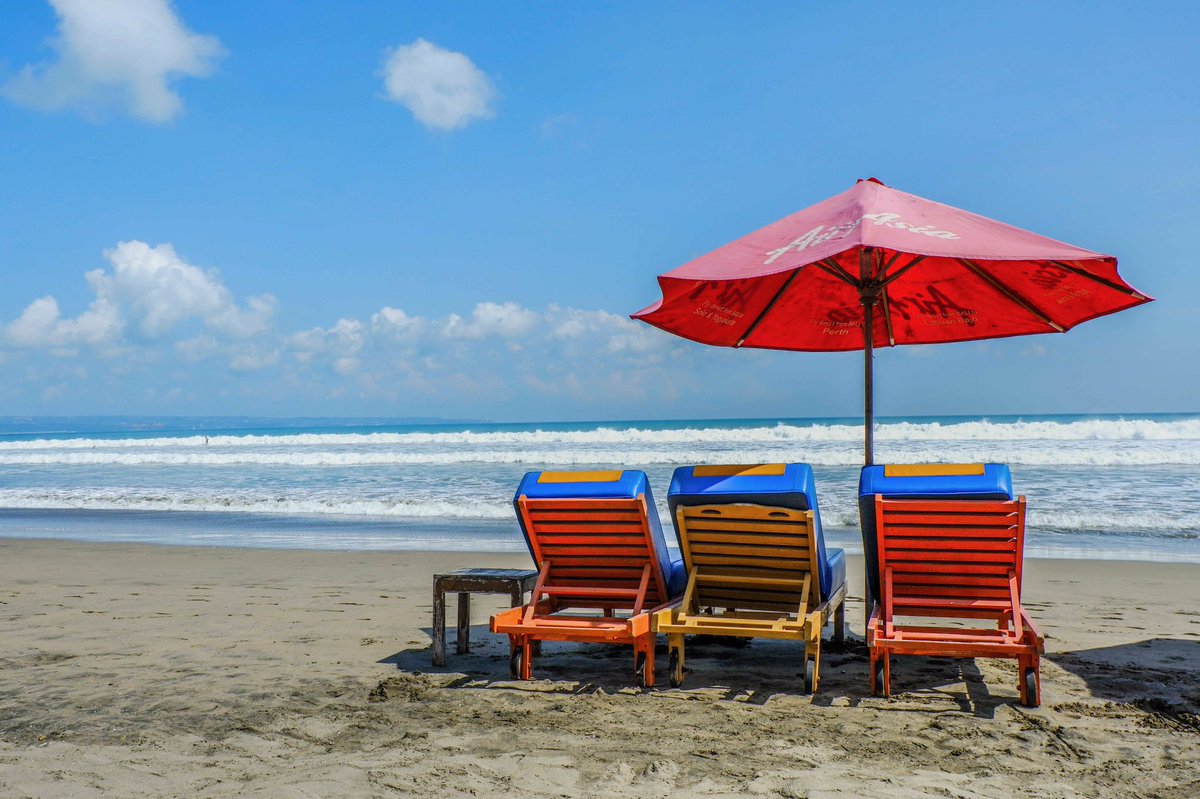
x,y
1098,430
1027,453
280,505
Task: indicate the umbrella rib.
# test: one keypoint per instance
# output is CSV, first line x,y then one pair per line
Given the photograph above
x,y
762,314
1084,273
887,316
1012,295
902,269
895,257
837,270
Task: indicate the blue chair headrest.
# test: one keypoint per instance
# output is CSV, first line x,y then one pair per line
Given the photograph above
x,y
784,485
937,481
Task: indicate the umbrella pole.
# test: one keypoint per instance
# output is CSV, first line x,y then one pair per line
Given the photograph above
x,y
868,430
869,385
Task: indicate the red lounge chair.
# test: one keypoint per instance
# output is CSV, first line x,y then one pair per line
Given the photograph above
x,y
598,545
954,559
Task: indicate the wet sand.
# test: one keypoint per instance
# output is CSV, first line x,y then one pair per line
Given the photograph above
x,y
140,671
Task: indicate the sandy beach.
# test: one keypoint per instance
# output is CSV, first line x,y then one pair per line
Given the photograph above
x,y
141,671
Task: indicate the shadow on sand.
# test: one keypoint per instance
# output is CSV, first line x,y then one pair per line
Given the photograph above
x,y
740,670
1158,676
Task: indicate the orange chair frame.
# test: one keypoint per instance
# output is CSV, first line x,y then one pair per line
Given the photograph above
x,y
957,559
592,554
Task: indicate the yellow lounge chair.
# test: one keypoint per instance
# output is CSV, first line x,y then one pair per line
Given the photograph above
x,y
756,562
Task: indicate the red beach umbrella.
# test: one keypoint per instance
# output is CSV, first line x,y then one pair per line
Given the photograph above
x,y
875,266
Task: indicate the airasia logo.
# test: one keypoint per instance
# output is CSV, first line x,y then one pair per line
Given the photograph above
x,y
821,233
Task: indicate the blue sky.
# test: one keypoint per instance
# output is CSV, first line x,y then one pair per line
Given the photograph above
x,y
374,208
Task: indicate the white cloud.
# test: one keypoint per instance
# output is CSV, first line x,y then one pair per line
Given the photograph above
x,y
345,336
395,323
443,89
151,286
253,360
608,332
158,286
339,344
190,335
197,348
41,325
490,319
116,53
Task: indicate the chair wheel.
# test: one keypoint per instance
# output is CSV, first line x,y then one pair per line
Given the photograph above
x,y
514,662
878,670
810,675
1029,676
675,671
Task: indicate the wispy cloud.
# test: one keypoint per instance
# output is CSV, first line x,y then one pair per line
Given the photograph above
x,y
491,319
443,89
167,317
121,54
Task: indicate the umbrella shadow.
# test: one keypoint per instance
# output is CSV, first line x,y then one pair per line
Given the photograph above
x,y
1156,675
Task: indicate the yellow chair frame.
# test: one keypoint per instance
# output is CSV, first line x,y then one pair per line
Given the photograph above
x,y
752,573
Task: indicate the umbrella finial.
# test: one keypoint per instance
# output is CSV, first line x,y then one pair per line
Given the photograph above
x,y
870,180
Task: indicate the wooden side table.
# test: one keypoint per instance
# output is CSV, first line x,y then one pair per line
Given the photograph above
x,y
464,582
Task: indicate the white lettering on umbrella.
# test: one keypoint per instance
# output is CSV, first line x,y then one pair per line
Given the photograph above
x,y
821,233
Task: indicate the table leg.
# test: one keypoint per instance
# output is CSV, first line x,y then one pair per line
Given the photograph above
x,y
464,624
439,625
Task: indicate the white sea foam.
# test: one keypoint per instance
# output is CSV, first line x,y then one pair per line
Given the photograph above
x,y
1029,453
289,505
1099,430
1130,483
834,512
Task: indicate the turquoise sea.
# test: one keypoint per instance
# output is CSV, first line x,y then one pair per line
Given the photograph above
x,y
1125,487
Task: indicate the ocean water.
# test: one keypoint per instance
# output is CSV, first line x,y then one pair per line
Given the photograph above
x,y
1125,487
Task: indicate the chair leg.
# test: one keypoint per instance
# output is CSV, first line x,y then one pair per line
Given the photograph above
x,y
1029,675
649,675
839,623
815,655
675,661
812,653
527,660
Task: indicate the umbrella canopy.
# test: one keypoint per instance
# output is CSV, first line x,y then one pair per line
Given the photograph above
x,y
875,266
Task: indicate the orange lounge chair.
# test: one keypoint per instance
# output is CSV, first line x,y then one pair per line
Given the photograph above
x,y
954,559
603,566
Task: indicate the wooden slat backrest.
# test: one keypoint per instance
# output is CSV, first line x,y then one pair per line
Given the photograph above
x,y
950,557
594,543
755,541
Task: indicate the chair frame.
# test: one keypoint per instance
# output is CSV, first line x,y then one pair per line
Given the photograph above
x,y
592,554
737,556
952,559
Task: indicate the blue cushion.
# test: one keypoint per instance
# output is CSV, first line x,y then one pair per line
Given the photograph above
x,y
837,566
994,483
792,486
627,484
